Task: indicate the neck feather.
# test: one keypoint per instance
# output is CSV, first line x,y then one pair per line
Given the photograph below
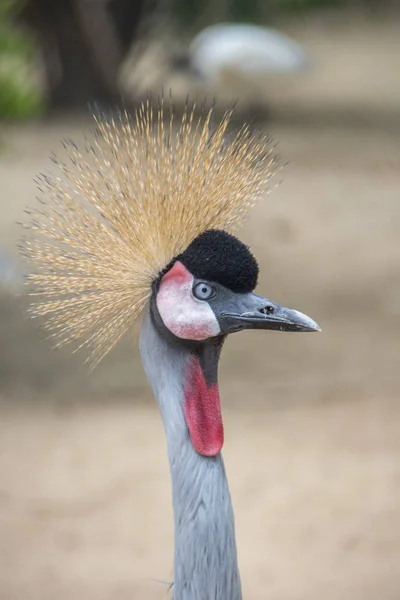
x,y
205,548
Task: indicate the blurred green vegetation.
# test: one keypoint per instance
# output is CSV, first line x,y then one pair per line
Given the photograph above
x,y
20,96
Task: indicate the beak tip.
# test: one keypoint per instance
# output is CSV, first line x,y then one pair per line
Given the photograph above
x,y
314,327
309,325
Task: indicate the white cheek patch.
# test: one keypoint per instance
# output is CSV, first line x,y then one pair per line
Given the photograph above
x,y
182,314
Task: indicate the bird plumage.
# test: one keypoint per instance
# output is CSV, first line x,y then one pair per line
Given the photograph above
x,y
120,209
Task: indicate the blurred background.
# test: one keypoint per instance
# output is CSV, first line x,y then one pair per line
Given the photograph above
x,y
312,422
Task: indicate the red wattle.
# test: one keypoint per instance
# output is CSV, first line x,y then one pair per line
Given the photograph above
x,y
203,411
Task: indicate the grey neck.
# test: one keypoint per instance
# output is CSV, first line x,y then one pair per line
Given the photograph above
x,y
205,548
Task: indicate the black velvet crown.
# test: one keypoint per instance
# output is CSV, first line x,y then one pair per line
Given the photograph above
x,y
218,256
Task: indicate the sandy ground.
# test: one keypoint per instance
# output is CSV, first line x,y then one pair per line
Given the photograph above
x,y
312,422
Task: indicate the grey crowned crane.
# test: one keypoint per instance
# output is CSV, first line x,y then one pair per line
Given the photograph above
x,y
141,223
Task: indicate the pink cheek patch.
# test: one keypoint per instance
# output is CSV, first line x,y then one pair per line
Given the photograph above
x,y
182,314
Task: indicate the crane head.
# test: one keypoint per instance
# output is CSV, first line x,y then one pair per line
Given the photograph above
x,y
208,292
145,212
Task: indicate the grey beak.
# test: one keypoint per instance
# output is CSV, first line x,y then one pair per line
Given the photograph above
x,y
255,312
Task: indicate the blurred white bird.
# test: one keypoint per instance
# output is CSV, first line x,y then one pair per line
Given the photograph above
x,y
232,61
241,61
245,50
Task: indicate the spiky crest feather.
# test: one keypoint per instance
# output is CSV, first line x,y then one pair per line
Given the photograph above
x,y
119,211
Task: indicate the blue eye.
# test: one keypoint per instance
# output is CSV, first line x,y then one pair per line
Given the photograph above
x,y
203,291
